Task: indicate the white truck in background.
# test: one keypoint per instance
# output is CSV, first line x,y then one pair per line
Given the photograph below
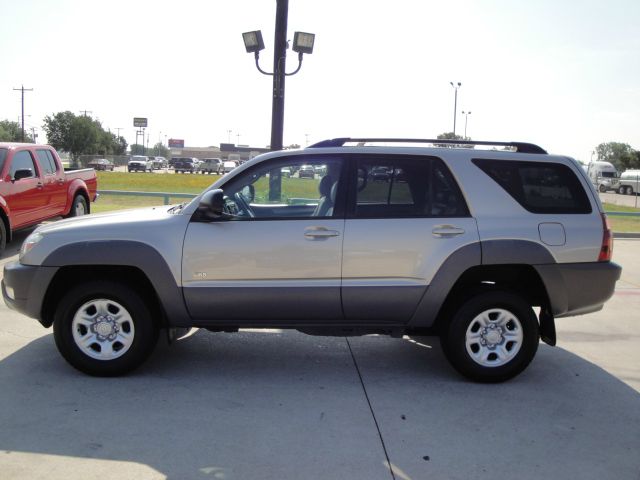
x,y
604,176
629,182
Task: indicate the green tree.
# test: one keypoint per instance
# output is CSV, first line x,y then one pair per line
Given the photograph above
x,y
621,155
12,132
81,135
450,136
137,149
120,147
159,150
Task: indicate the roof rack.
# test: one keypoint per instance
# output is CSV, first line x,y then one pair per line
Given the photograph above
x,y
520,147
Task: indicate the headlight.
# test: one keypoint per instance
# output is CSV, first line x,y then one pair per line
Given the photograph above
x,y
30,242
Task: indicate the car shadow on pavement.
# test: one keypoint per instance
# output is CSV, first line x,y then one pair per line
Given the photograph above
x,y
286,405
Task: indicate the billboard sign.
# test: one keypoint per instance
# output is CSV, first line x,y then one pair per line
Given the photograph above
x,y
176,143
139,122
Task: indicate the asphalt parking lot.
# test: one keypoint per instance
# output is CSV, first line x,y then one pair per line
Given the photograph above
x,y
282,405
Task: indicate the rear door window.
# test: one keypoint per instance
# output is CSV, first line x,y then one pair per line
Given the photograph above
x,y
540,187
47,162
395,187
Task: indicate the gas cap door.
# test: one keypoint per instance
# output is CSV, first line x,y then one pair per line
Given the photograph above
x,y
552,234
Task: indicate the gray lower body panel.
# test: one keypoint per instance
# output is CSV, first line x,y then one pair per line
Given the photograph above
x,y
394,304
578,288
263,304
29,285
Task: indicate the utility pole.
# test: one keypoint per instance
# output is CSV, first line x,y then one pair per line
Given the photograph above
x,y
84,112
117,129
22,89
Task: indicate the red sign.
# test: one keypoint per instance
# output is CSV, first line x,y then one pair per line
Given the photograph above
x,y
176,143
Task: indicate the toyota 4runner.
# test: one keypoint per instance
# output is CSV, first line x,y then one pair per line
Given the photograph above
x,y
484,247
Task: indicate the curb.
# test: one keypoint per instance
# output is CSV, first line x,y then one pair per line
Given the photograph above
x,y
626,235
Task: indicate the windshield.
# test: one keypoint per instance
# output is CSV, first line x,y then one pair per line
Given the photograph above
x,y
3,155
608,174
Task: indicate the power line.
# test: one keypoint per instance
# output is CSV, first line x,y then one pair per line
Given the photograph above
x,y
22,89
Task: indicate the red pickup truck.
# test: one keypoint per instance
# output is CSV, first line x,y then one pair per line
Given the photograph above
x,y
34,187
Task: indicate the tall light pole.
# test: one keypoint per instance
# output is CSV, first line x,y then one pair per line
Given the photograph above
x,y
22,89
302,43
466,118
455,105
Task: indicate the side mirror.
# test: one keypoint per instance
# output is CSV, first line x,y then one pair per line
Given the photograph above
x,y
211,206
23,173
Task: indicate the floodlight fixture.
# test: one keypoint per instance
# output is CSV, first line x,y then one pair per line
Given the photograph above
x,y
303,42
253,41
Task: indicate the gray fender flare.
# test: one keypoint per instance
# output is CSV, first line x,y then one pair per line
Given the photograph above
x,y
491,252
131,254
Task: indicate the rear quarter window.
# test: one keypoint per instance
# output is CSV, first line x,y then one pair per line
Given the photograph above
x,y
540,187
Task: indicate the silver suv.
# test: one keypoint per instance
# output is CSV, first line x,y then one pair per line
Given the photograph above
x,y
482,247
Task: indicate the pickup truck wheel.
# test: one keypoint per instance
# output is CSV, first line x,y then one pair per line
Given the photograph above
x,y
104,328
492,337
602,189
79,207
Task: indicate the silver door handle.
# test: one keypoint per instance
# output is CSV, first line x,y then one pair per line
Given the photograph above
x,y
320,232
447,231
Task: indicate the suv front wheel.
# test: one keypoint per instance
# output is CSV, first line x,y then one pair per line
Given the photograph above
x,y
492,336
104,328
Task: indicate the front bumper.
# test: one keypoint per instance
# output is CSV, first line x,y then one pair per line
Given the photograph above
x,y
24,288
579,288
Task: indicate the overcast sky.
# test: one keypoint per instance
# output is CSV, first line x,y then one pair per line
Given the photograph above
x,y
564,74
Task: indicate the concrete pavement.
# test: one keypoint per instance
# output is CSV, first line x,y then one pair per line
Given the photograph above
x,y
282,405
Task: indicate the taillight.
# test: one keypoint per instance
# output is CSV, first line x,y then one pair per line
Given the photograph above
x,y
606,250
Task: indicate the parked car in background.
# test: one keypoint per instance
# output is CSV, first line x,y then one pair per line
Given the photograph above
x,y
101,164
34,186
210,165
285,172
381,174
228,166
159,163
140,163
185,165
306,171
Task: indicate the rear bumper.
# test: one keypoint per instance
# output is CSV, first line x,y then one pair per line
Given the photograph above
x,y
24,288
578,288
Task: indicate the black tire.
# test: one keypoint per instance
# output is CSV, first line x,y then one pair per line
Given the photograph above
x,y
134,324
509,355
3,236
602,189
79,207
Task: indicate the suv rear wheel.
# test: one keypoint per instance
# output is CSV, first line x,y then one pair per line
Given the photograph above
x,y
104,328
492,337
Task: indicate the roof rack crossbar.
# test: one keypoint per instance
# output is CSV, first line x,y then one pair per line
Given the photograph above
x,y
520,147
